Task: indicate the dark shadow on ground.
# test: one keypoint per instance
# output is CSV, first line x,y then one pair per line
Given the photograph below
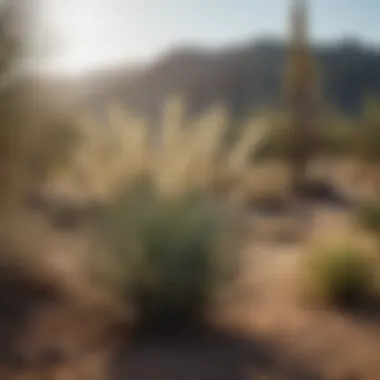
x,y
316,192
313,193
366,311
319,191
21,296
206,356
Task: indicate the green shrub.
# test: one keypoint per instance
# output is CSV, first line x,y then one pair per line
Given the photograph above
x,y
342,276
369,216
336,141
171,255
368,134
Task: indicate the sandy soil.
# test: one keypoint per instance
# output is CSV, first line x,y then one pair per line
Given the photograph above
x,y
276,336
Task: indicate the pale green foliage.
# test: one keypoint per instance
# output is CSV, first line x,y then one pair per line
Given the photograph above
x,y
171,256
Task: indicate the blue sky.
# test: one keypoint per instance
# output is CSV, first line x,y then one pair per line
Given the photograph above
x,y
94,32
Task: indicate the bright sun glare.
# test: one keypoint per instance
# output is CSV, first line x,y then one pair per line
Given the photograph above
x,y
85,30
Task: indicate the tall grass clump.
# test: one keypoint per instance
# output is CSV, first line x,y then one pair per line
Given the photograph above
x,y
172,244
185,154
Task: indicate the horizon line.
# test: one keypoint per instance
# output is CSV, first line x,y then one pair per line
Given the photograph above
x,y
210,47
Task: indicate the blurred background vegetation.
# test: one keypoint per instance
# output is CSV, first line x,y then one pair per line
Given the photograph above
x,y
174,163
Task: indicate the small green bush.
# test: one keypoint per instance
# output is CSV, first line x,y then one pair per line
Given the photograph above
x,y
369,216
171,255
368,133
342,277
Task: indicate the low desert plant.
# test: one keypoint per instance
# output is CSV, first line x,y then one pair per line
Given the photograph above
x,y
368,135
341,276
369,217
170,255
171,243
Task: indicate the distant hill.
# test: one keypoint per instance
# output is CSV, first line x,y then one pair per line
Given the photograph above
x,y
244,77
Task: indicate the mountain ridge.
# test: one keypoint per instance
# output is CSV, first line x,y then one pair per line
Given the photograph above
x,y
246,76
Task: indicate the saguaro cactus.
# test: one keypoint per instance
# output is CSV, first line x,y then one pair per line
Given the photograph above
x,y
300,94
